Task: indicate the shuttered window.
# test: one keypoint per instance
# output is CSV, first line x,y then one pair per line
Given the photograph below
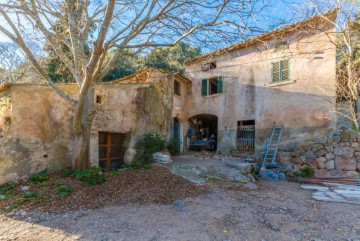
x,y
204,87
280,71
212,86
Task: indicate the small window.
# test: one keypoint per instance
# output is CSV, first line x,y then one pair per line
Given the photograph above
x,y
281,46
280,71
208,66
177,88
98,99
212,86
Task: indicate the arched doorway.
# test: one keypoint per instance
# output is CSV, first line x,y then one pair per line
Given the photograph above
x,y
176,131
204,132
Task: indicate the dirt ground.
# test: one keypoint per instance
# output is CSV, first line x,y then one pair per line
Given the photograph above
x,y
276,211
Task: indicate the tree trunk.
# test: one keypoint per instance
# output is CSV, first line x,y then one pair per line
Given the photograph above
x,y
81,147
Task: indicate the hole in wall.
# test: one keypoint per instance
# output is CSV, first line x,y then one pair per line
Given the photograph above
x,y
98,99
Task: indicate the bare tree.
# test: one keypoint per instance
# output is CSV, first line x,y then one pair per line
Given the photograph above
x,y
9,59
98,27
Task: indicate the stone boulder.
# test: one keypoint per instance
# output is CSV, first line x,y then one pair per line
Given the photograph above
x,y
329,156
351,174
321,162
343,151
250,186
229,173
346,164
243,168
310,155
329,165
162,157
321,152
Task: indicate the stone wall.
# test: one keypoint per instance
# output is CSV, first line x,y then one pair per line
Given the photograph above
x,y
338,156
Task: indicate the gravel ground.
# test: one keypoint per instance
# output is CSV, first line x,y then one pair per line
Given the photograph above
x,y
276,211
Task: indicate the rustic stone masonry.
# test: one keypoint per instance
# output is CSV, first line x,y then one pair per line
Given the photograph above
x,y
338,157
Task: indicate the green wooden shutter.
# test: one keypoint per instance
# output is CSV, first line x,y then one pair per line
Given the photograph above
x,y
220,84
276,72
285,70
204,87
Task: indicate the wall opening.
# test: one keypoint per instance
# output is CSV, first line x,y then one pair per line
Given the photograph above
x,y
246,136
177,88
176,131
202,132
111,150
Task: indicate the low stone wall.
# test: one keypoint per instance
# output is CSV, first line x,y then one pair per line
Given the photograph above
x,y
339,156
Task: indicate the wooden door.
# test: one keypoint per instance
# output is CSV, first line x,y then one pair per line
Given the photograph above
x,y
111,150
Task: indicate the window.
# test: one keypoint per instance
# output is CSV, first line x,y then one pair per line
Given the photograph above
x,y
212,86
111,150
281,46
98,99
280,71
208,66
177,88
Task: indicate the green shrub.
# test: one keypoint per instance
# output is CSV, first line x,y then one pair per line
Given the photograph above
x,y
173,146
90,177
152,142
31,195
40,177
67,173
115,174
7,189
64,190
11,207
305,172
136,165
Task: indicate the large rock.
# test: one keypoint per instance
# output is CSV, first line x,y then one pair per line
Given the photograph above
x,y
190,173
244,168
162,157
321,152
355,144
329,148
346,164
229,173
329,156
343,151
330,165
311,163
250,186
321,173
351,174
321,162
336,172
317,147
310,155
345,137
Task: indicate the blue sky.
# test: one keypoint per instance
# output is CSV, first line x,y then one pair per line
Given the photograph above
x,y
277,13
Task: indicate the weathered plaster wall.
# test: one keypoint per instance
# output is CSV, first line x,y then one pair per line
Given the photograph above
x,y
302,107
134,109
36,123
39,133
5,108
180,109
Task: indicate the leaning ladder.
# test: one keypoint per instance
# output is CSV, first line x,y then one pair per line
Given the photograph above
x,y
271,150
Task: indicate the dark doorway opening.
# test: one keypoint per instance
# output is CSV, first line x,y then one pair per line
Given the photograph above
x,y
175,130
205,128
246,136
111,150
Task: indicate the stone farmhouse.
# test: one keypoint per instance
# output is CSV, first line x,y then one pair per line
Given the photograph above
x,y
235,96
